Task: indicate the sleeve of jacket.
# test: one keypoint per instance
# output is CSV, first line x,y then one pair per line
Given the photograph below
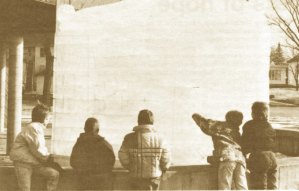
x,y
109,155
36,143
206,125
246,139
165,160
75,161
123,154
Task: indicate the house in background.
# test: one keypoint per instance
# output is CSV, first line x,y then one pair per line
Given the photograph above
x,y
284,75
279,75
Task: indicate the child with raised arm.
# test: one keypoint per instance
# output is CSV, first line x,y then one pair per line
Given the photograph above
x,y
227,153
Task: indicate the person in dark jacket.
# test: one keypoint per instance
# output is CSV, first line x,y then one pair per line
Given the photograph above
x,y
258,140
93,158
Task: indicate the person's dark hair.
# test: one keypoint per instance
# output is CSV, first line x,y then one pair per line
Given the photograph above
x,y
234,117
39,113
260,111
89,124
145,117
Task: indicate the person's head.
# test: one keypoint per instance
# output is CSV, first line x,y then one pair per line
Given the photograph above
x,y
259,111
234,117
145,117
91,126
40,113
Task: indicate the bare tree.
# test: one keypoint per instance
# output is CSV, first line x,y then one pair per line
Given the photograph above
x,y
286,17
294,68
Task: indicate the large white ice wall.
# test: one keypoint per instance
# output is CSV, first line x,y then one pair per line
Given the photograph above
x,y
174,57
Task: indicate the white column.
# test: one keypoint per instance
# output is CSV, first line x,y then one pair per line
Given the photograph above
x,y
3,80
14,122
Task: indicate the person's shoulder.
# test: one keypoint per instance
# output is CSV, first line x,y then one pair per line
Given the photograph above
x,y
248,124
37,127
268,125
130,137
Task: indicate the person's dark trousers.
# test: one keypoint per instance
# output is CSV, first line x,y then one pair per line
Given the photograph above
x,y
145,183
263,171
95,181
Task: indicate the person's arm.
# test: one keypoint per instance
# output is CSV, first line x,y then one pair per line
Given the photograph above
x,y
75,161
272,137
165,160
247,138
36,142
204,124
123,154
109,155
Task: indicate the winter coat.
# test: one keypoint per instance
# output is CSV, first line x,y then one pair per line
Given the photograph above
x,y
259,139
258,135
30,145
92,153
225,138
144,153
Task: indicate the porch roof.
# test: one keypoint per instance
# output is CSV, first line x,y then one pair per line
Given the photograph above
x,y
294,59
27,16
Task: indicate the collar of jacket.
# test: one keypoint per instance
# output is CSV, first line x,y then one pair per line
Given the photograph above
x,y
149,128
37,124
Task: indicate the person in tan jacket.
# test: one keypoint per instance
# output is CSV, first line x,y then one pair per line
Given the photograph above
x,y
145,154
30,154
227,154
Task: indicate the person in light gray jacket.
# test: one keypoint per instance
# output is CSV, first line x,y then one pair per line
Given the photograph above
x,y
145,154
30,154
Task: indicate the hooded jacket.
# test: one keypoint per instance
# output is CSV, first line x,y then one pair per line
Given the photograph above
x,y
144,153
30,145
92,153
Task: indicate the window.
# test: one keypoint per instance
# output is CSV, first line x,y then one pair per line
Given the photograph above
x,y
42,52
275,74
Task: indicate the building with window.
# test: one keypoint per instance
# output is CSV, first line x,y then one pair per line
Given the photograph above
x,y
284,75
279,75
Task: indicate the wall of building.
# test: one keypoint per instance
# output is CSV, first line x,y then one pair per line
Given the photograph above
x,y
171,57
278,75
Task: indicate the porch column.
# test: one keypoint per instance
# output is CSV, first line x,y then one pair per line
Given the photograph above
x,y
3,81
15,81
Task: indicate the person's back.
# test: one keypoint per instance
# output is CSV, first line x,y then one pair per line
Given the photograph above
x,y
227,155
22,153
145,154
30,154
259,140
262,133
92,157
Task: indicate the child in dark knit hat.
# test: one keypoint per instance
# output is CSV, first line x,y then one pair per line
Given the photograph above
x,y
227,155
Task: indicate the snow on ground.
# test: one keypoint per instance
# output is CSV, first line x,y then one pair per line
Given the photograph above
x,y
284,93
